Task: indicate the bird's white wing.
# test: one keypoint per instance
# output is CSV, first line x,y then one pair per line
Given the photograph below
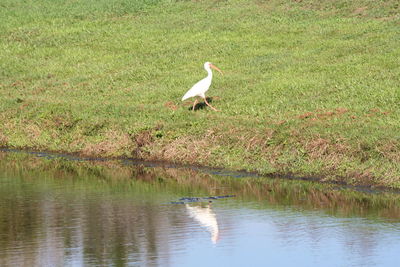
x,y
198,89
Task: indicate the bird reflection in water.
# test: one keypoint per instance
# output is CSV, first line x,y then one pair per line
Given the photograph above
x,y
206,218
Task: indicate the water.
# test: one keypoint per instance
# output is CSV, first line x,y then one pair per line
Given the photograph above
x,y
58,212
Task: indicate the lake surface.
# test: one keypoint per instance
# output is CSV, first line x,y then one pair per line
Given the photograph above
x,y
56,211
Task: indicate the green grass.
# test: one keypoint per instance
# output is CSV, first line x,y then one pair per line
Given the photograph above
x,y
310,87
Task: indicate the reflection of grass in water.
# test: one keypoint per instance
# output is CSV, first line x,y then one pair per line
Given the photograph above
x,y
311,195
108,177
115,178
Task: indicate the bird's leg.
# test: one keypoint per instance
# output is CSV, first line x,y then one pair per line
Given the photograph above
x,y
205,100
194,104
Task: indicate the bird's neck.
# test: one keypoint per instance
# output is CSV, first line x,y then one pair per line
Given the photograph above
x,y
209,73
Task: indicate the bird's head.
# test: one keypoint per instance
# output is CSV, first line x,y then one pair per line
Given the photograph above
x,y
210,65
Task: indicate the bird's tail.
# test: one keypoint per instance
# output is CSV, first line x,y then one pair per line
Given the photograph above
x,y
186,96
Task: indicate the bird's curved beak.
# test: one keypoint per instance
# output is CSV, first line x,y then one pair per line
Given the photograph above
x,y
214,67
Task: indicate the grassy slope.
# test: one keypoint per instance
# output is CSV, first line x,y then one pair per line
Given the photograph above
x,y
310,87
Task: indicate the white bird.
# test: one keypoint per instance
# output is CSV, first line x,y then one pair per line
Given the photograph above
x,y
201,87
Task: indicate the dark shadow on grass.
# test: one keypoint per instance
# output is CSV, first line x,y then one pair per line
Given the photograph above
x,y
201,104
